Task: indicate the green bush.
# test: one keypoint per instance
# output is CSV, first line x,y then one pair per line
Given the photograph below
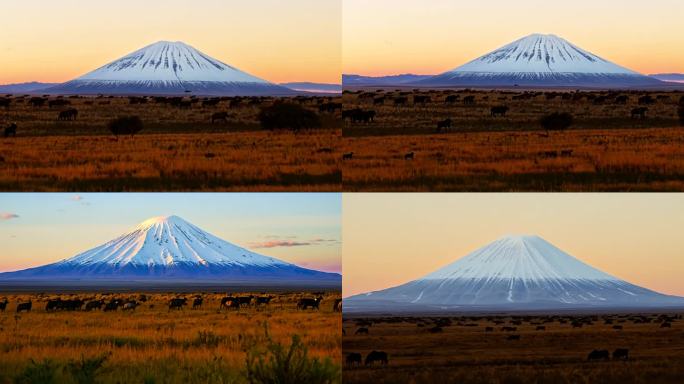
x,y
280,364
556,121
85,370
284,115
44,372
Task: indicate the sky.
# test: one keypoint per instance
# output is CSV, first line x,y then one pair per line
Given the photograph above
x,y
384,37
301,228
391,239
280,41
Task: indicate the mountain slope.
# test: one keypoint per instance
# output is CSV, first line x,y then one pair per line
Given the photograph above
x,y
514,272
541,61
169,68
168,248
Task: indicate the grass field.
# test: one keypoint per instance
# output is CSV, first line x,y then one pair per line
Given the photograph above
x,y
462,351
153,344
177,150
605,149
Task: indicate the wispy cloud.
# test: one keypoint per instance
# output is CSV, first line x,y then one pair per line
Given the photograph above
x,y
8,216
278,243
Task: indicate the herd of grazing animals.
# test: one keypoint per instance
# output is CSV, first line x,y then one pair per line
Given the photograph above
x,y
111,303
510,328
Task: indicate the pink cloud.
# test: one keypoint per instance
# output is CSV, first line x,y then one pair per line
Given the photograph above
x,y
8,216
278,243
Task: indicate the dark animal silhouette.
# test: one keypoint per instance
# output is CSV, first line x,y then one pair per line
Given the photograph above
x,y
11,130
665,325
5,102
513,337
361,331
53,305
354,358
409,156
348,156
361,116
469,100
37,101
509,329
3,305
264,300
177,303
24,307
230,302
245,301
621,354
197,303
68,115
556,121
377,356
309,303
127,125
566,152
402,100
541,328
337,305
499,110
91,305
451,99
444,125
598,355
622,99
646,100
420,99
130,306
112,306
219,116
639,112
329,107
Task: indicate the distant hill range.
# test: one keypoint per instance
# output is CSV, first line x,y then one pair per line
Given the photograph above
x,y
31,87
314,87
671,77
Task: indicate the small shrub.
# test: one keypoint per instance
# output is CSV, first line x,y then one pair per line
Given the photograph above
x,y
85,370
279,364
556,121
127,125
44,372
285,115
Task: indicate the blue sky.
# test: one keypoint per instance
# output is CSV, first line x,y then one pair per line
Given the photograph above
x,y
39,228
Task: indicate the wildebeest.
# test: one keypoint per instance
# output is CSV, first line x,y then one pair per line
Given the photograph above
x,y
126,125
3,305
329,107
556,121
37,101
541,328
361,331
348,156
24,307
230,302
361,116
421,99
665,325
95,304
219,116
499,110
566,152
130,305
402,100
513,337
451,99
622,99
621,354
509,329
646,100
4,102
337,305
469,100
306,303
263,300
378,356
113,305
599,355
53,305
245,300
11,130
68,114
177,303
639,112
409,156
354,358
197,303
444,124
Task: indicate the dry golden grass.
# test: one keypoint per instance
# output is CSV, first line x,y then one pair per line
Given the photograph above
x,y
610,150
152,343
178,150
468,354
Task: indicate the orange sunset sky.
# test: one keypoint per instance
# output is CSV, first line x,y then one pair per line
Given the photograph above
x,y
390,239
280,41
383,37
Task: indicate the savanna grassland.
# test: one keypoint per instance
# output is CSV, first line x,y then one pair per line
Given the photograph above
x,y
533,349
396,142
155,344
178,149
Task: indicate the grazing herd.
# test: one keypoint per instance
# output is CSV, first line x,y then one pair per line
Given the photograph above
x,y
510,328
112,303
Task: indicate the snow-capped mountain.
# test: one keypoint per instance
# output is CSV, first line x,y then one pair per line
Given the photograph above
x,y
168,248
514,273
541,60
169,68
